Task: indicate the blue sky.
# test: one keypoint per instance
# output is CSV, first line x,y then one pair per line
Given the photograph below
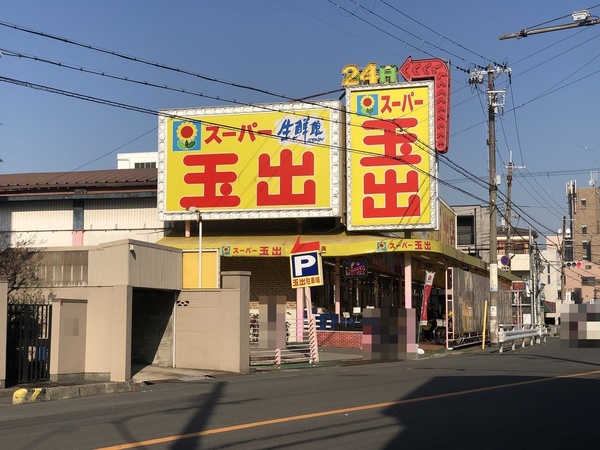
x,y
298,49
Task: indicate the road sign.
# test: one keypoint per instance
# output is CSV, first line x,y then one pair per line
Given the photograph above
x,y
307,269
519,286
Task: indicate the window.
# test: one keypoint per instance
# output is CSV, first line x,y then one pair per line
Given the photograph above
x,y
583,229
587,250
519,248
588,281
465,230
145,165
583,203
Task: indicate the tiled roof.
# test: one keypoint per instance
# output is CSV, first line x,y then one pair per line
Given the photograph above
x,y
44,183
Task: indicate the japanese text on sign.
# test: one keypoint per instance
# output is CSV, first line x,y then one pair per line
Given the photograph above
x,y
389,167
253,162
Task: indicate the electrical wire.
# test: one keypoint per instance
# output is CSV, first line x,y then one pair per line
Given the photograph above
x,y
447,161
395,25
164,66
174,116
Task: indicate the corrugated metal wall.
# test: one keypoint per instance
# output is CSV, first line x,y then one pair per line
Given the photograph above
x,y
47,223
109,220
50,223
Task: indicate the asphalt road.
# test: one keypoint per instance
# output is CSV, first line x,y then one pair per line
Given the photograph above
x,y
544,396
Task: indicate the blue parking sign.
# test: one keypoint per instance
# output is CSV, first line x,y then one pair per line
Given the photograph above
x,y
307,269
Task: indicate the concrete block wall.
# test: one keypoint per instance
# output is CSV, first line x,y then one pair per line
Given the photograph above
x,y
211,326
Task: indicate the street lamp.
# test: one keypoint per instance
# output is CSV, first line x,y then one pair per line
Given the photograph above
x,y
195,210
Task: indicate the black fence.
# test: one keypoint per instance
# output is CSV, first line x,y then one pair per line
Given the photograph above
x,y
28,343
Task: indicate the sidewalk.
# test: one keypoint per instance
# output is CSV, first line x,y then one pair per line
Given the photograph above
x,y
149,374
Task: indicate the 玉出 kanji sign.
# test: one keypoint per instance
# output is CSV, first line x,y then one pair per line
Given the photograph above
x,y
279,160
389,159
412,70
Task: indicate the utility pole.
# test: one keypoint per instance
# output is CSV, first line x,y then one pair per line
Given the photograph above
x,y
562,257
495,101
509,177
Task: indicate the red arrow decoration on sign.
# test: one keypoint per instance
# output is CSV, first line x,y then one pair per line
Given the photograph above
x,y
301,247
436,69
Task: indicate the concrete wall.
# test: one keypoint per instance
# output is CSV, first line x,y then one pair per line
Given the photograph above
x,y
211,326
114,269
135,263
107,334
92,326
68,343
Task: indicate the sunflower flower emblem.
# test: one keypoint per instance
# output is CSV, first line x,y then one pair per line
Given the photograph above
x,y
367,104
186,135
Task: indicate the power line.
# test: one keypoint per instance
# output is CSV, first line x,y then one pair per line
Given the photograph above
x,y
436,32
144,61
213,79
173,116
396,26
102,73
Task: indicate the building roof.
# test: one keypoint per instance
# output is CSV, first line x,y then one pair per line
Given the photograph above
x,y
93,181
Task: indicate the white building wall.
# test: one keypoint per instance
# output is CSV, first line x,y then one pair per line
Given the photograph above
x,y
552,273
50,223
129,160
47,223
109,220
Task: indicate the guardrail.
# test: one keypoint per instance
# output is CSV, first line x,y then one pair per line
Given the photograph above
x,y
522,332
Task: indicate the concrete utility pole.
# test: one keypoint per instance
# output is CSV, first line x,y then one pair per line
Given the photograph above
x,y
495,101
509,177
562,257
580,19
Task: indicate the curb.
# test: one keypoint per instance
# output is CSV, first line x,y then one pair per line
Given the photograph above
x,y
35,395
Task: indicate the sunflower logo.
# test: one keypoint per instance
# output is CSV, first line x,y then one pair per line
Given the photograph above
x,y
186,135
367,104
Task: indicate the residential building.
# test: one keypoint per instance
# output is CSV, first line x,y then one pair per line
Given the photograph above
x,y
81,208
580,251
141,160
473,230
517,253
552,294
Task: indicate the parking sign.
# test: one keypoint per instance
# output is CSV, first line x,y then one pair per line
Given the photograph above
x,y
307,269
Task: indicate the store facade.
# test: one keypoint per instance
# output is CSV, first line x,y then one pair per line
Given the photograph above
x,y
358,180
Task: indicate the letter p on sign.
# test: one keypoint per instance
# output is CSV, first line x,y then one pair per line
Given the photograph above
x,y
304,265
306,269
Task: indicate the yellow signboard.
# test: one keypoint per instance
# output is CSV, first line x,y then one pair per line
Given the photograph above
x,y
445,231
391,166
268,161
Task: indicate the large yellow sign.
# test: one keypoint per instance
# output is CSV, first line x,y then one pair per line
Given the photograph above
x,y
391,165
268,161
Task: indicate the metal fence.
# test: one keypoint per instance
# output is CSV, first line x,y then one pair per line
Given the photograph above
x,y
28,343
